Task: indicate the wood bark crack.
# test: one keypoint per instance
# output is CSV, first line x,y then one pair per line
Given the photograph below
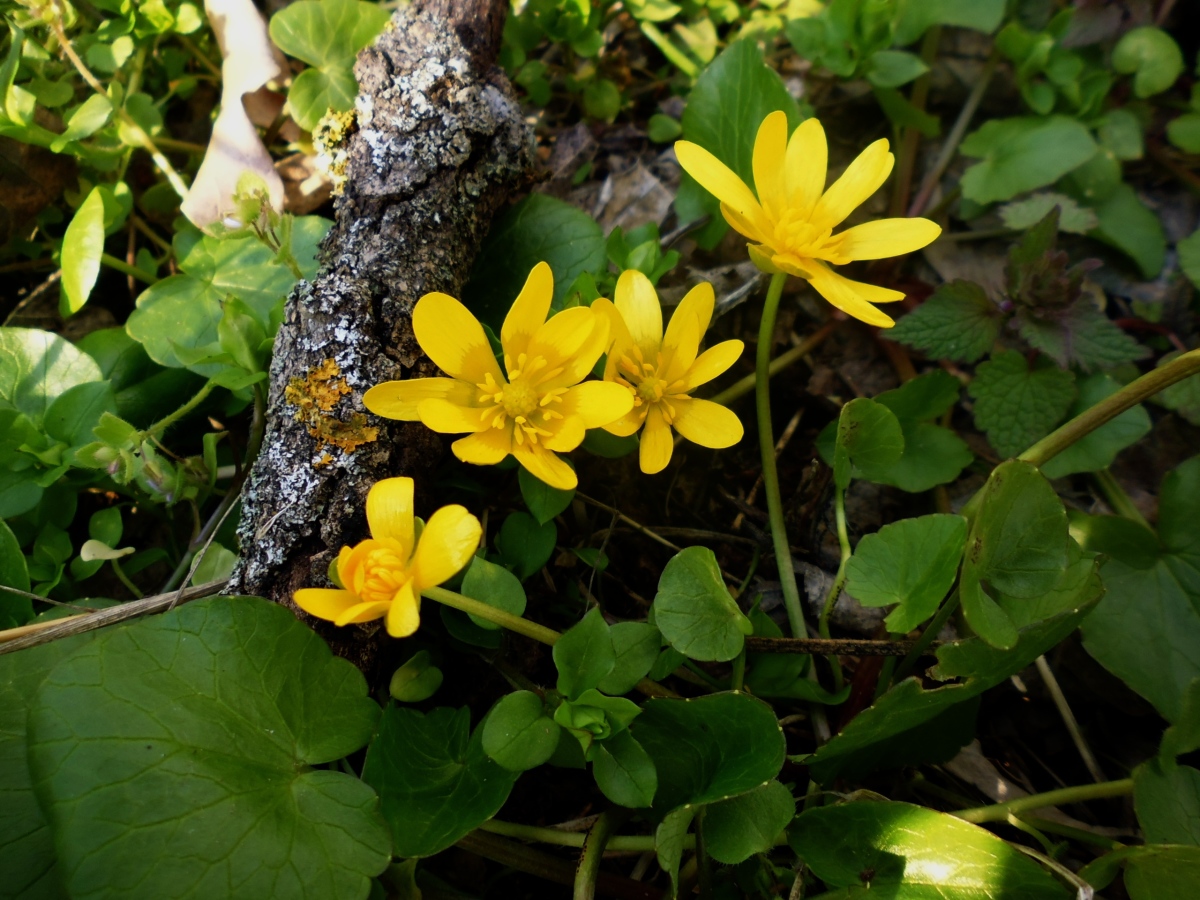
x,y
440,145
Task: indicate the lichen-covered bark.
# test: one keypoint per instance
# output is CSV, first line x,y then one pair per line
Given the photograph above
x,y
440,145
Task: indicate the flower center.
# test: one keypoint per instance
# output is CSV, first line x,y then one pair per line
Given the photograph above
x,y
647,385
800,236
524,400
383,574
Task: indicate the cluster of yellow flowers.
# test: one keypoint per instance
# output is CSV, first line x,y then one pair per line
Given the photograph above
x,y
539,404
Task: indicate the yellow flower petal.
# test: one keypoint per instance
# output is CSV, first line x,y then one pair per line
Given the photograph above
x,y
629,423
790,264
706,423
770,148
364,612
566,433
680,353
697,303
453,338
637,302
884,238
484,448
451,418
619,340
862,178
745,226
565,342
449,540
404,614
399,399
545,466
390,512
806,164
324,603
852,297
713,362
720,181
597,403
350,566
528,311
657,443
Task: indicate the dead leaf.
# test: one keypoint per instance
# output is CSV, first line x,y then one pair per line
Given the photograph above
x,y
250,61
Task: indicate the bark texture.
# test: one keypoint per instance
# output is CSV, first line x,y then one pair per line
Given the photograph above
x,y
440,145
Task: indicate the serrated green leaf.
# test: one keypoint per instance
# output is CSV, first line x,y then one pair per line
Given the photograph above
x,y
1022,214
910,564
903,850
538,229
1016,406
1097,450
434,780
694,610
1023,154
1082,336
232,702
958,322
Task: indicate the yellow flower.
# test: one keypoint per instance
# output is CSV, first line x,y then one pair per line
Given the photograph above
x,y
385,574
661,371
791,220
535,408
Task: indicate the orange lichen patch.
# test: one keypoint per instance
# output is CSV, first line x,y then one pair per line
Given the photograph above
x,y
314,396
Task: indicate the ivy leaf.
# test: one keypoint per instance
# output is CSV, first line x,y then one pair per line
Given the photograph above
x,y
326,34
232,702
434,779
910,564
694,610
1081,335
902,850
1097,450
1022,154
1146,629
957,322
1016,406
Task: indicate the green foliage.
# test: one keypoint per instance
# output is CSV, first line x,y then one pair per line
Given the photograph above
x,y
1167,800
418,679
1023,154
518,734
958,322
542,500
737,828
584,656
218,747
1151,56
1016,405
910,564
694,610
538,229
1147,628
917,852
525,545
869,437
1097,450
326,34
434,780
1150,871
83,243
495,586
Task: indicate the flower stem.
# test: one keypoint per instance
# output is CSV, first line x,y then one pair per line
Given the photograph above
x,y
167,421
766,444
559,838
504,619
1000,812
1112,406
839,580
1116,497
126,269
593,853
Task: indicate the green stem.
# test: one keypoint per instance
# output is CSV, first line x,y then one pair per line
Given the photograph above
x,y
504,619
932,630
631,843
167,421
704,867
744,386
593,853
125,268
738,679
1112,406
835,589
124,579
1116,497
1000,812
770,474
